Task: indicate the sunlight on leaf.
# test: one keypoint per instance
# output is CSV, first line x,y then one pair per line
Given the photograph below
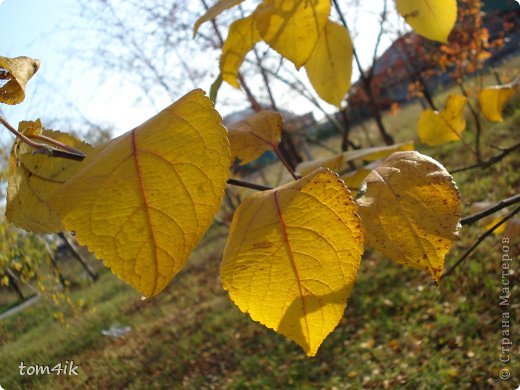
x,y
292,257
33,178
292,27
439,128
411,211
250,138
143,200
14,75
492,101
433,19
330,66
242,37
215,10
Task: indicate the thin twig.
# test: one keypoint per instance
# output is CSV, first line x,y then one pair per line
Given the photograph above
x,y
245,184
488,162
490,210
481,238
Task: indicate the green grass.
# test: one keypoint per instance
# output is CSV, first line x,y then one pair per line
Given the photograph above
x,y
399,330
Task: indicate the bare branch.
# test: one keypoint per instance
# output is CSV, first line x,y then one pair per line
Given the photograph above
x,y
481,238
490,210
489,162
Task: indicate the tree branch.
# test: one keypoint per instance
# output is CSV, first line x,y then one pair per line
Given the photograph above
x,y
490,161
481,238
490,210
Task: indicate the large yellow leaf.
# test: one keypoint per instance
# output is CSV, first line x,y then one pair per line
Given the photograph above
x,y
411,211
143,200
329,68
250,138
292,257
215,10
438,128
493,99
242,37
338,162
292,27
14,75
433,19
33,178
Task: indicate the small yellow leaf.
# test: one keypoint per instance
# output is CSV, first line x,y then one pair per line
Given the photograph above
x,y
250,138
215,10
433,19
292,257
338,162
329,68
14,75
411,211
242,37
33,178
354,179
143,200
292,27
439,128
493,99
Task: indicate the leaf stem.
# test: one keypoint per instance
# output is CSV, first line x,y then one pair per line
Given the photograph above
x,y
70,153
245,184
284,162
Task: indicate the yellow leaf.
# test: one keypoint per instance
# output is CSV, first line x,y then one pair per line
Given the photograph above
x,y
433,19
292,27
411,211
329,68
242,37
215,10
143,200
338,162
354,179
438,128
14,75
493,99
33,178
292,257
250,138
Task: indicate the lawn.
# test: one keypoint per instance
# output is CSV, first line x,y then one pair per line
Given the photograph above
x,y
399,330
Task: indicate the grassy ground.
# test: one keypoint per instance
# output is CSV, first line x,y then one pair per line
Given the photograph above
x,y
399,331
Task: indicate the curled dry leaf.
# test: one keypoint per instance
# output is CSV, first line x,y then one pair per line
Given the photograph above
x,y
292,27
292,257
33,178
242,37
250,138
439,128
143,200
433,19
14,75
214,11
411,211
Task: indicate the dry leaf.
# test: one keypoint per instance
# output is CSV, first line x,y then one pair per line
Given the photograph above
x,y
411,211
14,75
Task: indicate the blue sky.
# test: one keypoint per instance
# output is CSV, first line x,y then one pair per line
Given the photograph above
x,y
65,87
